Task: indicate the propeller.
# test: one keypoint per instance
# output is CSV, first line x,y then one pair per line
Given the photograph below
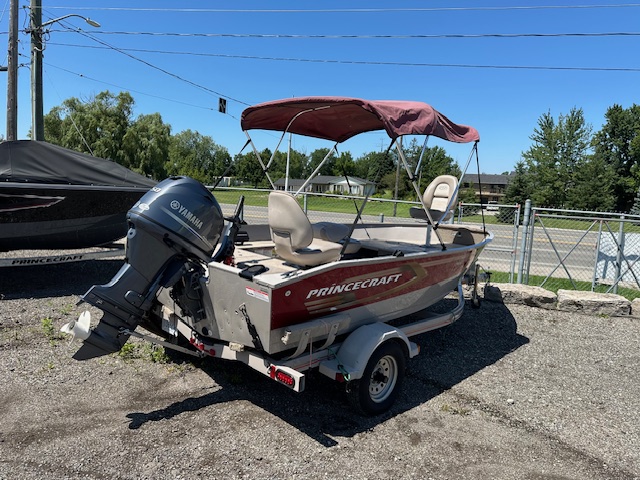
x,y
79,328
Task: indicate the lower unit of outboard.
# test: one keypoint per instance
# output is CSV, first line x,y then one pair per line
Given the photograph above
x,y
173,230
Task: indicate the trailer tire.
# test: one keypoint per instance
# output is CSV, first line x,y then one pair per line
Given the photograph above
x,y
381,381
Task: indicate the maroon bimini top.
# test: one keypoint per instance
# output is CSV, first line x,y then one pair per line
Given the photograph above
x,y
340,118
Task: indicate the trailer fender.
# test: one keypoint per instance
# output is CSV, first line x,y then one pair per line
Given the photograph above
x,y
353,354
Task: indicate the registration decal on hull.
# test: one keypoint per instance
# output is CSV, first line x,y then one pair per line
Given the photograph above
x,y
260,295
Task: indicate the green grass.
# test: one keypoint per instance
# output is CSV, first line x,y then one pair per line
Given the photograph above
x,y
326,204
258,198
251,198
488,219
583,225
348,205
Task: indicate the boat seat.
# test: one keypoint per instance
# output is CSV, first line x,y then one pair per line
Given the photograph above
x,y
441,192
337,233
292,233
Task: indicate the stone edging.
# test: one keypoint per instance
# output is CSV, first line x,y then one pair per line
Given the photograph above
x,y
566,300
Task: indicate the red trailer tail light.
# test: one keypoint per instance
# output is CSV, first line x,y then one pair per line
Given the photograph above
x,y
282,377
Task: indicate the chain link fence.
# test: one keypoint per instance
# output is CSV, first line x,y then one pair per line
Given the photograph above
x,y
575,250
551,248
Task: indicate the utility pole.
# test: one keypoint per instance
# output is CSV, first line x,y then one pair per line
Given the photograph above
x,y
12,73
37,115
37,46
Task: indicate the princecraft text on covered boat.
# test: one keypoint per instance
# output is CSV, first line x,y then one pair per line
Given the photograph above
x,y
293,295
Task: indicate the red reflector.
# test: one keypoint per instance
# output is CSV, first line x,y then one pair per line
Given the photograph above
x,y
339,378
285,378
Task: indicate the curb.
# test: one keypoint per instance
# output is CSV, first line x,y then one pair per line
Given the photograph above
x,y
606,304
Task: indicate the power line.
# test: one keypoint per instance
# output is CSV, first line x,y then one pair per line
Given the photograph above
x,y
351,10
155,67
376,63
81,75
353,36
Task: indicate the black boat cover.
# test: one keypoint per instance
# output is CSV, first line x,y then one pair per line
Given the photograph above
x,y
42,162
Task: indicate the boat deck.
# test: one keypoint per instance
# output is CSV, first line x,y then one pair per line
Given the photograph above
x,y
256,259
263,253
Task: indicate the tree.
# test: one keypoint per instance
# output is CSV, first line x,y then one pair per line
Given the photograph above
x,y
344,165
467,195
617,144
96,126
145,146
521,186
248,169
594,186
278,168
197,156
314,160
104,126
374,165
435,162
635,209
552,161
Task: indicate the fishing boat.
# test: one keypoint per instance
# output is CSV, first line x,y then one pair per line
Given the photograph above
x,y
55,198
287,295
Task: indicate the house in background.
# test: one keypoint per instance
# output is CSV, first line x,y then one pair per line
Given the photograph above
x,y
331,184
493,186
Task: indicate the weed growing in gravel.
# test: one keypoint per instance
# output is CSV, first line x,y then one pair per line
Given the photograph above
x,y
156,353
143,351
453,410
127,352
50,331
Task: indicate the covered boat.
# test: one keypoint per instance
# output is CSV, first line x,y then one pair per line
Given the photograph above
x,y
54,198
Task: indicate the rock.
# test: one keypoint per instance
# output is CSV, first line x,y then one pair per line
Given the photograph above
x,y
520,294
593,303
635,306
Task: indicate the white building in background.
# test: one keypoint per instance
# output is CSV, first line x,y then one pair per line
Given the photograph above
x,y
331,184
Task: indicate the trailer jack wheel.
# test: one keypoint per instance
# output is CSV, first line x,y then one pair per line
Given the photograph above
x,y
381,382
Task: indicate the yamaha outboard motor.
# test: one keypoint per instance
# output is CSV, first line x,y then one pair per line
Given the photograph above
x,y
173,228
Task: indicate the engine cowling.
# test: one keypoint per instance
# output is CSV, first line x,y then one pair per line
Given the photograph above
x,y
183,211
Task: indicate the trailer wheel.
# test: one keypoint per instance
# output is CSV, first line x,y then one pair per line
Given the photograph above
x,y
381,382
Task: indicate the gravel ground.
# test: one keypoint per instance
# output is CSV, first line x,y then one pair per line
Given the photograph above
x,y
507,392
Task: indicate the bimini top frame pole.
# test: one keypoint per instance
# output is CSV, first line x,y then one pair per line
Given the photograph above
x,y
416,187
315,172
264,168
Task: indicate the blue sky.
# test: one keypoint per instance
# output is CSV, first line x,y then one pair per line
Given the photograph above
x,y
242,56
